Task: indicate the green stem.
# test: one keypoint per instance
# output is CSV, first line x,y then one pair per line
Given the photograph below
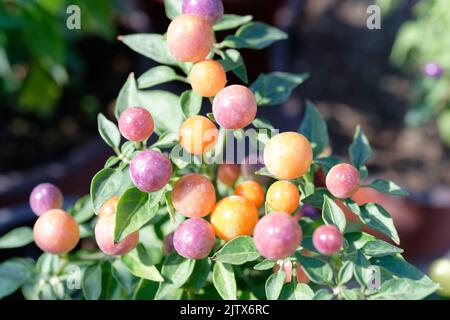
x,y
139,145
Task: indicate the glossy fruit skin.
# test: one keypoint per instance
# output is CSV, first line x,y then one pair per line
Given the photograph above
x,y
104,231
327,239
234,216
168,244
207,78
44,197
56,232
198,135
194,239
136,124
109,207
440,273
288,155
228,174
210,10
343,180
250,165
283,196
277,236
234,107
189,38
150,170
251,190
194,196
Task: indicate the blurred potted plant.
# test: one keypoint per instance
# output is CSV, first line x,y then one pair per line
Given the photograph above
x,y
43,118
421,49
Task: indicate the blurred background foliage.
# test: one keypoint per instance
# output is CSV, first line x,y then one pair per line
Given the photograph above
x,y
420,41
38,55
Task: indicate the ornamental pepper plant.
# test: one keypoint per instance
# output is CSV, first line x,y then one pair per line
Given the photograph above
x,y
170,217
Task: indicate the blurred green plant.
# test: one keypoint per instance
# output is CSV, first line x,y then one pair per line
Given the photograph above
x,y
38,55
421,49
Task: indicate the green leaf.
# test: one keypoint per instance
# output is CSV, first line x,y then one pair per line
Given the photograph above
x,y
380,248
332,214
352,205
127,149
13,275
327,163
287,292
173,8
303,292
191,103
388,187
358,239
167,291
323,294
261,123
107,183
224,281
345,273
111,162
232,61
237,251
264,172
122,275
398,267
274,285
82,211
317,270
166,140
92,282
109,132
200,274
17,238
231,21
276,87
128,96
266,264
48,264
136,263
376,217
145,290
405,289
158,75
176,269
150,45
350,294
210,116
314,128
169,206
360,150
164,108
362,269
254,35
133,211
317,199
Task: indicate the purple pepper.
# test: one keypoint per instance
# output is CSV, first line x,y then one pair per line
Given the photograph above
x,y
210,10
44,197
194,238
150,170
432,70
